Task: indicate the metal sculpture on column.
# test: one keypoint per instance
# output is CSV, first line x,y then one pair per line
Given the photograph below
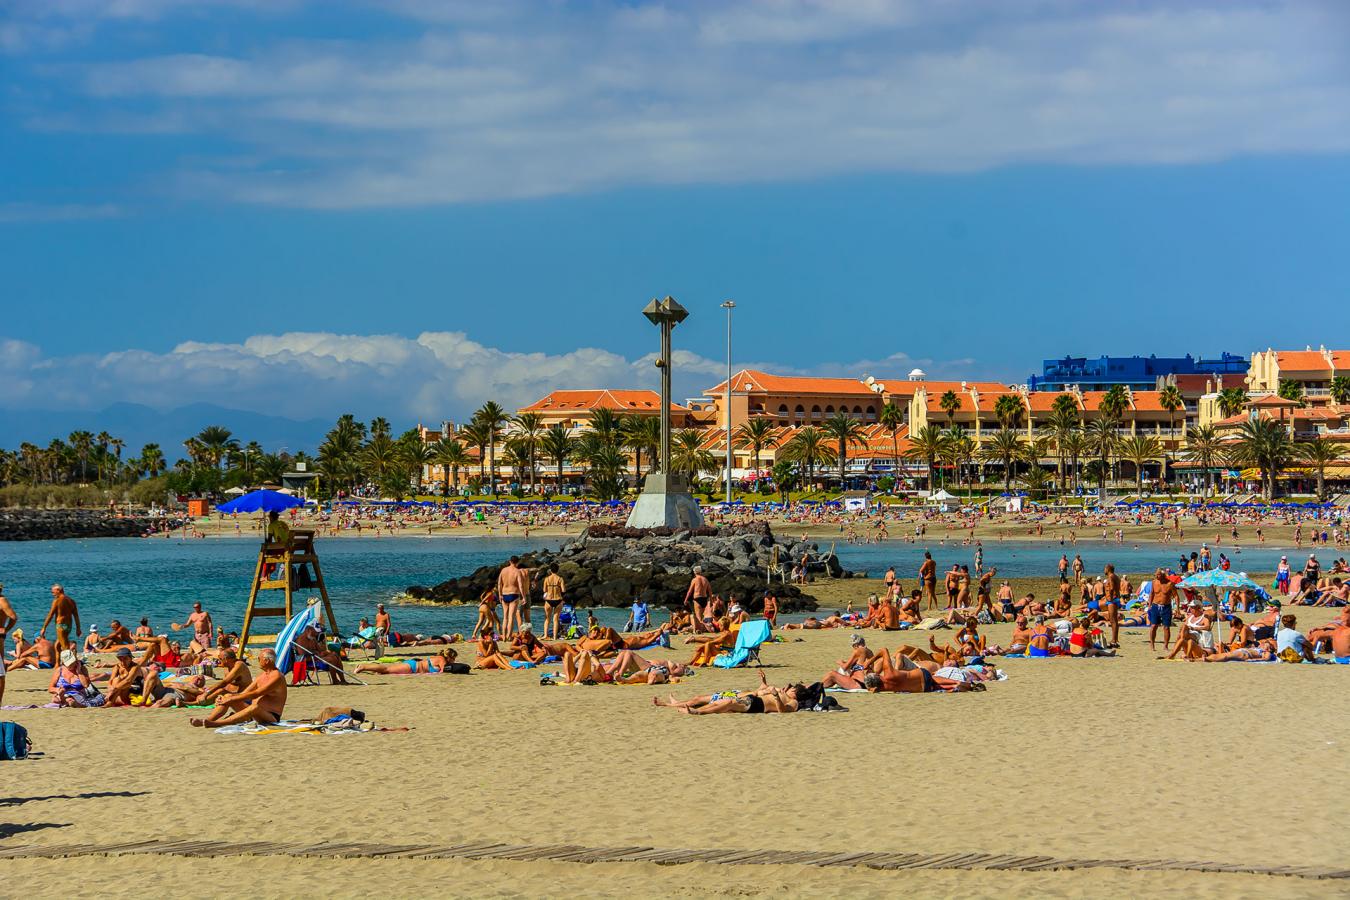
x,y
665,499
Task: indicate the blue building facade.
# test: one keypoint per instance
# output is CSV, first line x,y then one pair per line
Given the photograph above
x,y
1135,372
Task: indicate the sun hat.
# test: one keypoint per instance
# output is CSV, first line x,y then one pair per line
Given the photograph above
x,y
67,657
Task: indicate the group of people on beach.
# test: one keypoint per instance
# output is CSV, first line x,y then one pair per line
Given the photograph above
x,y
1082,619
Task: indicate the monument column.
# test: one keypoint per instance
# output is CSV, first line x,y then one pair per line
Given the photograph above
x,y
665,499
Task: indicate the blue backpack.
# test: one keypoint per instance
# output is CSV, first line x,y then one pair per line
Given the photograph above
x,y
14,741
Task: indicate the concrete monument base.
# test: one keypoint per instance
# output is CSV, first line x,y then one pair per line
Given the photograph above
x,y
665,500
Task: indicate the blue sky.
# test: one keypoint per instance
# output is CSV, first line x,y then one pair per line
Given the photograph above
x,y
408,207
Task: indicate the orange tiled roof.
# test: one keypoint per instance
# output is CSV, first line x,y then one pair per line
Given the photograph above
x,y
1301,360
1150,401
582,401
752,381
1340,359
1044,401
1272,401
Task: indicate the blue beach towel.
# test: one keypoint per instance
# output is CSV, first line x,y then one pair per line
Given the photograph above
x,y
752,634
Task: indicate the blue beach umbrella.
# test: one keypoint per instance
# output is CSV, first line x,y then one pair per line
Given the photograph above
x,y
285,641
1219,578
261,501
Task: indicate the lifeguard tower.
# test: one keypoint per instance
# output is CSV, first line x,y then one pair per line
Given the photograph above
x,y
289,567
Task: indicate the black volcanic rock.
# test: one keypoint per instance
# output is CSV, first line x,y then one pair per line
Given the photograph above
x,y
612,565
56,524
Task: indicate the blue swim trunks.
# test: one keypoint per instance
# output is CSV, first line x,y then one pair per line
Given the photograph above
x,y
1160,614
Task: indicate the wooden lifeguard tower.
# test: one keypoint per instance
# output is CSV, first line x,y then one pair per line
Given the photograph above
x,y
285,567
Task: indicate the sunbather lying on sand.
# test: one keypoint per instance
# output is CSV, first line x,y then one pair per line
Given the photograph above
x,y
917,680
626,668
442,663
489,656
763,699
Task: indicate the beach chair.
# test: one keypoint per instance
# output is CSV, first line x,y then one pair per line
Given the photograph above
x,y
753,633
370,635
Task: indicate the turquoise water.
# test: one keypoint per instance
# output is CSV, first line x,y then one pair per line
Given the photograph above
x,y
128,578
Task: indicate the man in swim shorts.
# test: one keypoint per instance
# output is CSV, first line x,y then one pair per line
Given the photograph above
x,y
64,612
1160,609
512,585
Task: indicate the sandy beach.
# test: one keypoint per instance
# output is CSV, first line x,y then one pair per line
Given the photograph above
x,y
1114,759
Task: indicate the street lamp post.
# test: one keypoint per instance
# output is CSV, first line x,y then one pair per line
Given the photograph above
x,y
728,306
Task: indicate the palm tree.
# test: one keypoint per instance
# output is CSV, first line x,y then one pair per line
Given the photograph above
x,y
1231,400
606,427
152,460
892,418
687,454
557,445
642,434
1204,447
783,477
1340,389
1114,403
1139,449
1101,439
82,442
1035,480
1319,454
755,434
416,455
450,455
1008,410
380,457
479,435
1064,422
492,417
529,426
950,403
1170,399
518,456
1291,390
1266,445
379,425
845,431
1005,446
808,448
960,450
928,444
216,442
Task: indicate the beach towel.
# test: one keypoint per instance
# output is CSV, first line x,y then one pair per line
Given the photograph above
x,y
339,725
521,664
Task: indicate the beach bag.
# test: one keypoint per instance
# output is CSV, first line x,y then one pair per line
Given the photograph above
x,y
14,743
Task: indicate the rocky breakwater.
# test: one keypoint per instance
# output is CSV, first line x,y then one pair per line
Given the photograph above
x,y
611,565
55,524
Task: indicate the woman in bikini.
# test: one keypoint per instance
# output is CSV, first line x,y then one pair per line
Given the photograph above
x,y
432,665
488,623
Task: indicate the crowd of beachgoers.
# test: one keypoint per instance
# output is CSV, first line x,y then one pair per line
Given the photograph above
x,y
1310,525
1194,609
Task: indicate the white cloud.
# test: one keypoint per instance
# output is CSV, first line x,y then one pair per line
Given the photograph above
x,y
317,374
493,101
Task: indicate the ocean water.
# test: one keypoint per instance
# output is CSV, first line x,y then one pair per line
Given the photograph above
x,y
128,578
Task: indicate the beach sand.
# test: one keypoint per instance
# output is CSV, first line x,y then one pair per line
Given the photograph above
x,y
1125,759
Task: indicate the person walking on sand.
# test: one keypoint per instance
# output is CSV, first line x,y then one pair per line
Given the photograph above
x,y
8,618
553,597
200,623
928,579
696,598
1160,609
511,582
64,612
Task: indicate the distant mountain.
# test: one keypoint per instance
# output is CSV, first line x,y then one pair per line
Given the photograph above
x,y
139,425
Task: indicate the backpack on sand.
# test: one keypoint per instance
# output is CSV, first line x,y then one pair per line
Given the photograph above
x,y
14,743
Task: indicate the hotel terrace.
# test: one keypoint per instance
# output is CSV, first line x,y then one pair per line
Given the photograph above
x,y
792,402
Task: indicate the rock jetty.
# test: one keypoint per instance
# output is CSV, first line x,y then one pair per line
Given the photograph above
x,y
56,524
610,565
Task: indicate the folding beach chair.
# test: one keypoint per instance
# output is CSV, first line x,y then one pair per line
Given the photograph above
x,y
368,635
753,633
